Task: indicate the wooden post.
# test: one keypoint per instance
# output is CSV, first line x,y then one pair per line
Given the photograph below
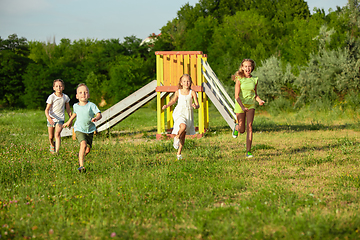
x,y
73,134
206,107
200,96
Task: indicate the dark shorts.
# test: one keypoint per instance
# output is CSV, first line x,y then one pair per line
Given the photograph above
x,y
87,137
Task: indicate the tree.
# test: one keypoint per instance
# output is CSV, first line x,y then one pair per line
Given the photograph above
x,y
200,37
127,74
14,60
244,35
38,85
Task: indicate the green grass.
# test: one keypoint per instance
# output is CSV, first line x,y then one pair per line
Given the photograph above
x,y
302,184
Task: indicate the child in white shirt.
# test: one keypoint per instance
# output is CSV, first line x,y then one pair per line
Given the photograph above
x,y
55,114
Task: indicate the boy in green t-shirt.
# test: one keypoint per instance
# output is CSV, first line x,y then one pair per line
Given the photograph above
x,y
84,127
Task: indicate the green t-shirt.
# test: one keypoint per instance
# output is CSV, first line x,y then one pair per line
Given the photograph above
x,y
247,89
84,114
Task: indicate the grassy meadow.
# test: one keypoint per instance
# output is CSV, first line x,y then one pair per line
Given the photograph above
x,y
303,182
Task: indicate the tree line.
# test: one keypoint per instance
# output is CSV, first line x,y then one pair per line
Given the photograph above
x,y
302,58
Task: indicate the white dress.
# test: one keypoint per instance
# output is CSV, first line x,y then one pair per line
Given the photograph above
x,y
183,113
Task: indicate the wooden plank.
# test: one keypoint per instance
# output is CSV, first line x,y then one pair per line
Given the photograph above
x,y
66,132
214,78
159,66
186,64
172,70
193,72
178,52
133,99
123,104
162,117
219,106
159,112
175,88
126,113
168,113
200,96
180,67
166,69
219,94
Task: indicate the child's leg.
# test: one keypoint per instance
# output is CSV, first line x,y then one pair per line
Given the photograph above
x,y
82,152
51,135
182,141
85,141
249,119
181,130
58,129
241,121
177,137
51,139
87,150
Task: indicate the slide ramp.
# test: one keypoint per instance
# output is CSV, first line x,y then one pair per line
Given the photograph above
x,y
122,109
218,95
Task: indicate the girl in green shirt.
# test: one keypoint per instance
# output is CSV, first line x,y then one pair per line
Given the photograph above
x,y
245,98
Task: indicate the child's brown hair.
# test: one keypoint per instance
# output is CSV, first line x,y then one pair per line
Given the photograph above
x,y
240,72
59,80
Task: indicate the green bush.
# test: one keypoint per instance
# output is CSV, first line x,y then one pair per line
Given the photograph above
x,y
275,81
280,105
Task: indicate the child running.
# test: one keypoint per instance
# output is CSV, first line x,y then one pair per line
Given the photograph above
x,y
86,114
55,114
183,113
245,97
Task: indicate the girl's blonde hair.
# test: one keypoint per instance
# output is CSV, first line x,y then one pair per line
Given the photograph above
x,y
184,75
240,73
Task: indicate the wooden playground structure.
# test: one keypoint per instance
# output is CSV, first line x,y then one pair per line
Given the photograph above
x,y
170,66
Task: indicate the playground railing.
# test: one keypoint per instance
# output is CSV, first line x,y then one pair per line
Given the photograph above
x,y
218,88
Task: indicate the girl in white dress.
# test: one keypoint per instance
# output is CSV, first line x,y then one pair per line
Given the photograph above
x,y
183,114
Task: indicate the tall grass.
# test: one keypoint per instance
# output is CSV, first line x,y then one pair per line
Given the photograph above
x,y
302,184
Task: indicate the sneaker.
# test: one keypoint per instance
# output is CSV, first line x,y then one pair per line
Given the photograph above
x,y
82,169
176,142
248,155
179,157
235,132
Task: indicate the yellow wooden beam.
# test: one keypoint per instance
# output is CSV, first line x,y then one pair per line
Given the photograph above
x,y
200,95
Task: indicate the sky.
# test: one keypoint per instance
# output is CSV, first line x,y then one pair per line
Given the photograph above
x,y
45,20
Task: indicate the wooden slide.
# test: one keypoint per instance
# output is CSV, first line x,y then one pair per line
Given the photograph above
x,y
122,109
218,95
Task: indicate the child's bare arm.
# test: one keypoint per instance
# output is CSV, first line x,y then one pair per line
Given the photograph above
x,y
257,98
97,118
172,101
69,122
47,109
196,104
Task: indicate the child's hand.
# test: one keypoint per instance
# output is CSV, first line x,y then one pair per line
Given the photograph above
x,y
94,119
245,109
261,102
51,122
195,106
67,124
164,107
